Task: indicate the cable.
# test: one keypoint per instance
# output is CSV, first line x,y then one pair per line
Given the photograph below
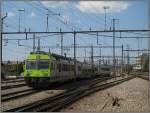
x,y
70,24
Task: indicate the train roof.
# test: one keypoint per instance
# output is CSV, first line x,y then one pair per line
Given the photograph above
x,y
58,57
46,55
35,56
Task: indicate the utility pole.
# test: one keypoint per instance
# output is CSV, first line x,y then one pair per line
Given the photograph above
x,y
2,23
122,64
17,68
75,55
47,19
20,10
114,59
49,51
85,53
138,47
97,37
61,41
47,26
114,62
100,56
38,49
92,60
33,43
105,7
128,59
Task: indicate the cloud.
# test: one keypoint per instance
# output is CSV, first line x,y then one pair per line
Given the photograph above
x,y
91,6
98,6
54,3
32,14
66,18
10,14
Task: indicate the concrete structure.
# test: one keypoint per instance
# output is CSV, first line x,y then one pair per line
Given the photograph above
x,y
141,62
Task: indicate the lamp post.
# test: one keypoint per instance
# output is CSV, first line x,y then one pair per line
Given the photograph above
x,y
100,56
20,10
105,8
2,22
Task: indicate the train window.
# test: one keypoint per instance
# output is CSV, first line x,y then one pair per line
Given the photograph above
x,y
54,66
51,65
43,65
79,68
67,67
59,67
31,65
73,67
63,67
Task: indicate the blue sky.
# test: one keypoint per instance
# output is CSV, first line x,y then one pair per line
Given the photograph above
x,y
78,15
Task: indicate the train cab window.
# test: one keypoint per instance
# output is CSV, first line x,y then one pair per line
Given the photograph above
x,y
31,65
43,65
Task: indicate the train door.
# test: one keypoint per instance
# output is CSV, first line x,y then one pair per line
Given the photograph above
x,y
57,69
53,69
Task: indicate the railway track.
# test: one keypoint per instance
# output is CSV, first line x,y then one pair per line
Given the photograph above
x,y
143,75
12,79
12,86
22,93
18,94
57,102
15,80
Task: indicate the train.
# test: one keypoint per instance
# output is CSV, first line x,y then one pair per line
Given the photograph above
x,y
42,68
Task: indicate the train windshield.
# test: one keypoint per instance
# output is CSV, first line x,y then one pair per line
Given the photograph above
x,y
31,65
43,65
37,64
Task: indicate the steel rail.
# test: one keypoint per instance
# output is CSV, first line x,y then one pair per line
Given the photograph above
x,y
13,86
18,94
59,101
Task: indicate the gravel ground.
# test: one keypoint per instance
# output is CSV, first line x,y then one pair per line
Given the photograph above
x,y
13,83
37,96
130,96
28,99
14,90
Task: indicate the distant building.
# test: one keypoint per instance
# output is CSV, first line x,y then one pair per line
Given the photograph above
x,y
141,61
137,65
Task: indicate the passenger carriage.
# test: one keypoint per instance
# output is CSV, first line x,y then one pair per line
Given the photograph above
x,y
41,67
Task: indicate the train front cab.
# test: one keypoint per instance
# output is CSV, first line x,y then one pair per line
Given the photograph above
x,y
37,71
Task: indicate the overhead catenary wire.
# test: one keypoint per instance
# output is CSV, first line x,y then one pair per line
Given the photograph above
x,y
57,17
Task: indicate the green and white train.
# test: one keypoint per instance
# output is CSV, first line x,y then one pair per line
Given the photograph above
x,y
42,68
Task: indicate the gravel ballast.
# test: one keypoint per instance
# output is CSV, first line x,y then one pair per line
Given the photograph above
x,y
54,90
130,96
